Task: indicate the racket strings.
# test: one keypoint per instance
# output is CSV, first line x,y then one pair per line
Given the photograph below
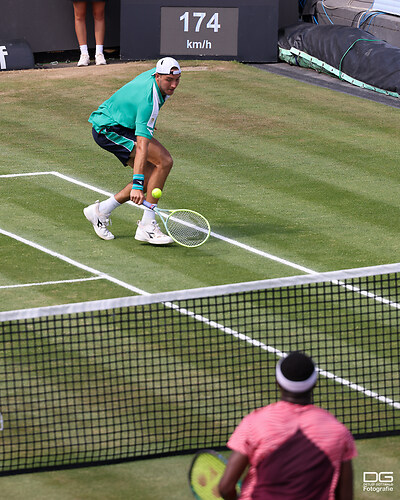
x,y
188,228
206,473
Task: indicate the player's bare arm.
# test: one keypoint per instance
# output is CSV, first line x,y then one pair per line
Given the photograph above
x,y
344,488
235,467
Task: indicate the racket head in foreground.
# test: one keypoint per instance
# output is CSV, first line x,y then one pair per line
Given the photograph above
x,y
205,473
188,228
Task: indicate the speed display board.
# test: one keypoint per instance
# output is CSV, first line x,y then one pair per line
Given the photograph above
x,y
199,31
244,30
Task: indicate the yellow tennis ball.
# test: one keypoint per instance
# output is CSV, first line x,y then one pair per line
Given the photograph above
x,y
156,193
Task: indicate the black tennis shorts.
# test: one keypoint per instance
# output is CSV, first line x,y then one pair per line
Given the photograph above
x,y
118,140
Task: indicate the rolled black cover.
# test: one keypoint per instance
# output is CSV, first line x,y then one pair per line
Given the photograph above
x,y
350,50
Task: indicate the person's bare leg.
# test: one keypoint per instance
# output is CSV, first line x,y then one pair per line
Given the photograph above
x,y
158,168
124,195
80,22
99,22
156,172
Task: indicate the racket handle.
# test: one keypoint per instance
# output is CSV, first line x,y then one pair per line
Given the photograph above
x,y
148,205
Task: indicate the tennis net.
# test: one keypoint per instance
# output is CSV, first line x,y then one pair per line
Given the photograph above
x,y
156,375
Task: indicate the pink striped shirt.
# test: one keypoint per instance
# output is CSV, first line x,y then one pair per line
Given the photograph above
x,y
295,452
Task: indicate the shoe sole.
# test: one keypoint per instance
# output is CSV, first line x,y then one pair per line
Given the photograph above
x,y
152,242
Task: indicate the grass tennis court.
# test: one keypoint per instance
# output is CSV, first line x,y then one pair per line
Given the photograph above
x,y
290,176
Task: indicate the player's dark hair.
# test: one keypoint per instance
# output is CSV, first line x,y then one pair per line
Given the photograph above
x,y
297,366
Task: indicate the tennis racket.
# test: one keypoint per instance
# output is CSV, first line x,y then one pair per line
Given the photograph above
x,y
186,227
205,473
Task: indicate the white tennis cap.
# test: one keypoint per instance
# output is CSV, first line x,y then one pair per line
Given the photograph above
x,y
165,65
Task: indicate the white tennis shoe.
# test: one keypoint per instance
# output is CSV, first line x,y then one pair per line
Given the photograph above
x,y
84,60
99,221
100,59
151,233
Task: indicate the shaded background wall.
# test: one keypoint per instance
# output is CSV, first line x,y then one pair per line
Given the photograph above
x,y
257,29
48,25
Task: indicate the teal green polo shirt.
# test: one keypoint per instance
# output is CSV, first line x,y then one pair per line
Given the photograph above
x,y
134,106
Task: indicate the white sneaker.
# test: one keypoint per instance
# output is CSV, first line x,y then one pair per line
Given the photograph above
x,y
99,221
100,59
151,233
84,60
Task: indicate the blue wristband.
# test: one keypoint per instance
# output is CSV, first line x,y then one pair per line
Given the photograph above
x,y
138,181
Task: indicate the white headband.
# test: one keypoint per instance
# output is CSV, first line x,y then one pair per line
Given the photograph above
x,y
292,385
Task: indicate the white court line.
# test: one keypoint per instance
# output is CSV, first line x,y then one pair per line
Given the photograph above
x,y
43,283
201,318
26,174
73,262
230,241
277,352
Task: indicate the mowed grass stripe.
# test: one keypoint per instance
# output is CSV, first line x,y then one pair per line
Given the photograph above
x,y
301,133
285,205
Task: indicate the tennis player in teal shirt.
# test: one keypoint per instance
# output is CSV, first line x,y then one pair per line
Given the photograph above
x,y
124,125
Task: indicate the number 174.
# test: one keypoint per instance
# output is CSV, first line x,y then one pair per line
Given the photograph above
x,y
211,24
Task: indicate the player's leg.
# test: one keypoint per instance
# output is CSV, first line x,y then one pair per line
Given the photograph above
x,y
99,213
158,156
124,195
148,229
120,141
157,170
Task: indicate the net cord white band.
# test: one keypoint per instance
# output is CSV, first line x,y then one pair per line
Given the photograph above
x,y
144,299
